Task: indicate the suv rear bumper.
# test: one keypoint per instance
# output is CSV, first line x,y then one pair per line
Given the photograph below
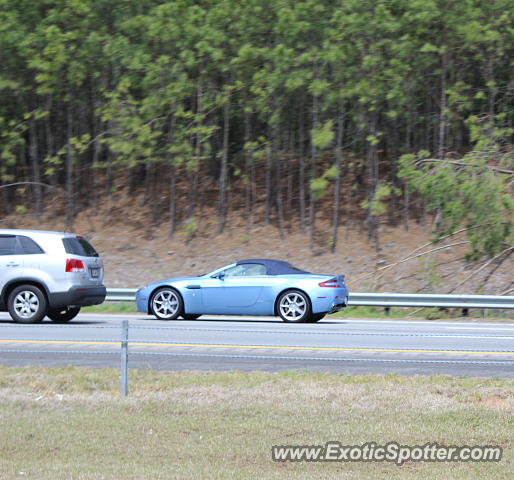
x,y
78,296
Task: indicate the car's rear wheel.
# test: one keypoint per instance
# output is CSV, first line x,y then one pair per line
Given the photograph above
x,y
166,304
294,306
63,315
316,317
189,316
27,304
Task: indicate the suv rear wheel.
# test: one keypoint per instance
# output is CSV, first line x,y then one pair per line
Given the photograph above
x,y
63,315
27,304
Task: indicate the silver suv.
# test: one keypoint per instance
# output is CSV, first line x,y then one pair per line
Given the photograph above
x,y
48,273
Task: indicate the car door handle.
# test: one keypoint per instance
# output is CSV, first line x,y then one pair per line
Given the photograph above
x,y
13,264
194,287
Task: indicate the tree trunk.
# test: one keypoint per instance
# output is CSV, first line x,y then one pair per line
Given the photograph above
x,y
406,195
349,209
269,169
289,176
337,186
194,173
108,174
224,166
36,172
443,100
372,180
70,210
312,204
50,140
491,84
301,178
248,167
155,195
172,204
132,180
269,185
6,193
279,200
406,201
97,126
253,184
149,182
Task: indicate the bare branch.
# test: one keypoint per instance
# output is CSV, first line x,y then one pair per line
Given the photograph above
x,y
30,183
462,164
381,269
412,254
497,266
480,269
443,238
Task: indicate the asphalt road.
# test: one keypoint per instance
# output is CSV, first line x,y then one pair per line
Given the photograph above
x,y
226,343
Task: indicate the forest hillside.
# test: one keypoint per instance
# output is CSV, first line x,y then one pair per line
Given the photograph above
x,y
347,132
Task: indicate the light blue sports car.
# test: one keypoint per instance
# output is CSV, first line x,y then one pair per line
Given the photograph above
x,y
247,287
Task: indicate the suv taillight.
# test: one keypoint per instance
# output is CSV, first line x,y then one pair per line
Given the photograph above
x,y
330,283
75,265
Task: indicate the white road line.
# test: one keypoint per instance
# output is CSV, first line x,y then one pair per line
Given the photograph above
x,y
471,328
383,321
432,323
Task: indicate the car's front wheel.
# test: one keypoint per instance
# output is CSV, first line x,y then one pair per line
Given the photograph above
x,y
63,315
166,304
294,306
27,304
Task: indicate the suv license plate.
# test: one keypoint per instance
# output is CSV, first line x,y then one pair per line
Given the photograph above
x,y
95,272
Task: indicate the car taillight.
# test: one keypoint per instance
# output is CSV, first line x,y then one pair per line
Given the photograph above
x,y
330,283
75,265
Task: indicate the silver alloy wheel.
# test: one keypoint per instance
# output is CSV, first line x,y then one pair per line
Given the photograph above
x,y
293,306
165,304
26,304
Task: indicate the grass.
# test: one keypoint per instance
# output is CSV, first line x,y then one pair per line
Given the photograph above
x,y
376,312
70,423
111,307
349,312
425,313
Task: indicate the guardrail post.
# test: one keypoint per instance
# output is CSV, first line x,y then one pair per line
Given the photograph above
x,y
124,359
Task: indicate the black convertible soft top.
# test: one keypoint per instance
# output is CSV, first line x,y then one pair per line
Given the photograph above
x,y
275,267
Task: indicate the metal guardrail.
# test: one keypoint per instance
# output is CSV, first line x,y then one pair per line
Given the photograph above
x,y
385,299
431,300
121,294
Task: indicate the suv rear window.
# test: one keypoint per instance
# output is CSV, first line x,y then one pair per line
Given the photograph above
x,y
79,246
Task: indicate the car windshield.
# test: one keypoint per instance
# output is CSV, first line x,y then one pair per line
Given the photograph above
x,y
218,270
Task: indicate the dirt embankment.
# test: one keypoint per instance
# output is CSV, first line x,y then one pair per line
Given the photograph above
x,y
136,254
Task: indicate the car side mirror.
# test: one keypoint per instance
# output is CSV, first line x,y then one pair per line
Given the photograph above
x,y
220,276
